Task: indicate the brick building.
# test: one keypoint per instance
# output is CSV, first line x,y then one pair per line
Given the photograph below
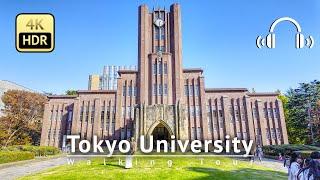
x,y
162,98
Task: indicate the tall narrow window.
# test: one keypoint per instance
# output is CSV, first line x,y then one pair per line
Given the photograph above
x,y
165,68
124,91
155,89
197,90
134,91
165,89
186,90
199,132
92,114
160,68
191,90
155,68
130,90
160,89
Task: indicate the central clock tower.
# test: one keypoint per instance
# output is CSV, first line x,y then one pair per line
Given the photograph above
x,y
160,56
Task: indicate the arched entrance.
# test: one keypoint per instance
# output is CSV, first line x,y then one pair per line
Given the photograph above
x,y
160,132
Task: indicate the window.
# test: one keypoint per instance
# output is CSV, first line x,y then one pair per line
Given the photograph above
x,y
245,135
124,91
122,133
208,109
209,124
61,115
258,131
197,110
186,90
113,128
197,90
160,68
165,68
193,133
267,133
278,133
270,112
160,48
191,110
237,114
165,89
102,116
221,113
273,133
51,117
191,90
221,124
81,114
255,113
155,89
57,114
214,112
265,112
87,115
276,113
128,111
130,90
155,68
159,33
134,91
239,135
199,132
70,114
92,115
160,89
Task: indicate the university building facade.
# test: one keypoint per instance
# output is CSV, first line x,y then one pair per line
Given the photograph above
x,y
162,98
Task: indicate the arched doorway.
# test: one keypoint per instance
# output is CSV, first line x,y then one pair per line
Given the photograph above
x,y
160,132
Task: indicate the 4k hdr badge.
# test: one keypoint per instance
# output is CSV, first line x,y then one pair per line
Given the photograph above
x,y
35,32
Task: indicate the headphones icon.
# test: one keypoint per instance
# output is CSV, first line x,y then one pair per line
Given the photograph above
x,y
270,40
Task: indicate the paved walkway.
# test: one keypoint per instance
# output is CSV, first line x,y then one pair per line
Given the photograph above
x,y
16,171
273,164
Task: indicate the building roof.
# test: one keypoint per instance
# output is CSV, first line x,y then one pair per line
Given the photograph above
x,y
62,96
97,91
127,71
193,70
264,94
226,89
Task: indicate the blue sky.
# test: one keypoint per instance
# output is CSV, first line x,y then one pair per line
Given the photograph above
x,y
218,36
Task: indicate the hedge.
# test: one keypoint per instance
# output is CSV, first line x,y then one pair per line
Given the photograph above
x,y
11,156
288,149
37,150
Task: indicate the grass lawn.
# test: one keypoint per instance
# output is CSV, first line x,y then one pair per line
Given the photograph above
x,y
182,168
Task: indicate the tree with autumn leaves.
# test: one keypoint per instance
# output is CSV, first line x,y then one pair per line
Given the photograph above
x,y
22,121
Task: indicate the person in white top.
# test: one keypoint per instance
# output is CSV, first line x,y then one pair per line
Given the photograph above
x,y
295,166
304,171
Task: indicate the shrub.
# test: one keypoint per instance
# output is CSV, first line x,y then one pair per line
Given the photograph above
x,y
11,156
288,149
40,150
37,150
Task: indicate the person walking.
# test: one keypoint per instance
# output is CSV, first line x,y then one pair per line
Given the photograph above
x,y
303,173
259,153
130,153
314,169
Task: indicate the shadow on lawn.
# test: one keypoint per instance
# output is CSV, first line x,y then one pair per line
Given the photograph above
x,y
242,173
